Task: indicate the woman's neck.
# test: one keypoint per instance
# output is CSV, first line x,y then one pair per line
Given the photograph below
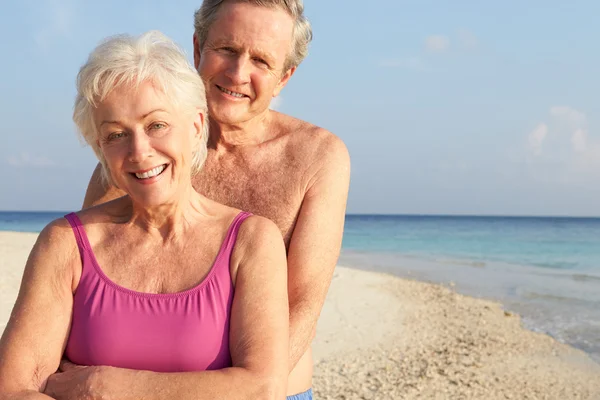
x,y
172,219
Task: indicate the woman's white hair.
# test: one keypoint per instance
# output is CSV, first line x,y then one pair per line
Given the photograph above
x,y
206,15
132,60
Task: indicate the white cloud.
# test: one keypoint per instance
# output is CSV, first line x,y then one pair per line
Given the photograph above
x,y
579,140
58,17
467,39
569,115
437,43
412,63
571,153
537,137
29,160
574,123
433,44
276,103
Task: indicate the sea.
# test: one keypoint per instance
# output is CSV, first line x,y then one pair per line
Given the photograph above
x,y
546,269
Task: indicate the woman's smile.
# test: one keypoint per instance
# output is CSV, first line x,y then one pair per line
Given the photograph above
x,y
150,176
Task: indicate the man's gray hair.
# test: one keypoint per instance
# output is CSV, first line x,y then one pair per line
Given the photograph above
x,y
206,15
133,60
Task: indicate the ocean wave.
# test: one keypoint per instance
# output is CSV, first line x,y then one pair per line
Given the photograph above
x,y
585,278
555,297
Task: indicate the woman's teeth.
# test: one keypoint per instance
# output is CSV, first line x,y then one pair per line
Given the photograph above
x,y
152,173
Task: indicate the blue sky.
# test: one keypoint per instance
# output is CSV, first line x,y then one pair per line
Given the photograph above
x,y
447,107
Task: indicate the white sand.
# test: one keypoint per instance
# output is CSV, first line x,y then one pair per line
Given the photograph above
x,y
382,337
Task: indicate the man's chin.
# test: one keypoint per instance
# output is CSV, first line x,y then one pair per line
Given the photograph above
x,y
230,118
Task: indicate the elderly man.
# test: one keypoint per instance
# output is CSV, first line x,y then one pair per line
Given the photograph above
x,y
265,162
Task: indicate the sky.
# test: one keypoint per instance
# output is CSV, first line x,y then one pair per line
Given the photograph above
x,y
446,107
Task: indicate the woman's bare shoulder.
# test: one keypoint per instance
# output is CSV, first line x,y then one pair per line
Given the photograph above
x,y
56,236
55,253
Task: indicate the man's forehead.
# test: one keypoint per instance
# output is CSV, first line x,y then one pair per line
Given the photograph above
x,y
254,21
266,47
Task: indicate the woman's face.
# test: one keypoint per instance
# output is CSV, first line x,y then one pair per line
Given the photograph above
x,y
147,143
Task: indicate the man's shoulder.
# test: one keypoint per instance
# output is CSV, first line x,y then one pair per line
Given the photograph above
x,y
310,139
104,212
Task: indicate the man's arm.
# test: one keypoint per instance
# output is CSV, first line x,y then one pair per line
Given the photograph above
x,y
98,192
315,244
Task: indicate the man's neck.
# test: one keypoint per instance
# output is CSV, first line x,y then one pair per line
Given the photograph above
x,y
248,133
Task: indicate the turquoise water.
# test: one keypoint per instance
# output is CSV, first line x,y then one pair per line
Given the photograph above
x,y
555,243
27,221
546,269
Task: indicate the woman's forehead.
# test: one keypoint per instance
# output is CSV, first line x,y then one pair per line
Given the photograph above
x,y
134,102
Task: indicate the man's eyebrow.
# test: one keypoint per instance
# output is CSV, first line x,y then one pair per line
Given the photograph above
x,y
228,42
223,42
143,116
264,55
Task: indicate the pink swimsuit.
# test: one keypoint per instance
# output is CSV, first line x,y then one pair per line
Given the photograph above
x,y
186,331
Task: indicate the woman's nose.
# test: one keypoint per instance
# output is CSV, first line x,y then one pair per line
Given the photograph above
x,y
140,147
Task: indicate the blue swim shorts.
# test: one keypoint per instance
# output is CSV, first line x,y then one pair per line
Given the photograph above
x,y
308,395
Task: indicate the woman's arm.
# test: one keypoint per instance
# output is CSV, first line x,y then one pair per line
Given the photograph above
x,y
258,336
34,339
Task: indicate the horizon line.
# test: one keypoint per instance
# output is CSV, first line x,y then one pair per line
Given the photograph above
x,y
355,214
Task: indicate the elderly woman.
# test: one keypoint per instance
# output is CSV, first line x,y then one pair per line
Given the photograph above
x,y
162,287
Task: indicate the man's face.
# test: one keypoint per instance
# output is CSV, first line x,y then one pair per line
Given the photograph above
x,y
242,60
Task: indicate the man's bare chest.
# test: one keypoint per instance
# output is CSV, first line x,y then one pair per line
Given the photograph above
x,y
274,193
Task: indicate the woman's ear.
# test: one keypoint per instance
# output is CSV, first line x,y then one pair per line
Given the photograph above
x,y
198,125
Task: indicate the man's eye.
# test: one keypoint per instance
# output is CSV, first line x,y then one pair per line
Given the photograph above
x,y
227,50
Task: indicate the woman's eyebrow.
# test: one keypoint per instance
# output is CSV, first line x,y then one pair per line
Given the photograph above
x,y
152,112
144,116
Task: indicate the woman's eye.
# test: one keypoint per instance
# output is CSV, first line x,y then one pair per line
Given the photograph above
x,y
157,125
116,135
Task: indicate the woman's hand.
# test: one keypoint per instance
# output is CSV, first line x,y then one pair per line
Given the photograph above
x,y
77,382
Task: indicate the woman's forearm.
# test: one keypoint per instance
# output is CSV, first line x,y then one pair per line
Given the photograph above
x,y
230,383
25,395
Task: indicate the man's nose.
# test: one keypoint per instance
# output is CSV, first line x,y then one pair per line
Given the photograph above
x,y
239,70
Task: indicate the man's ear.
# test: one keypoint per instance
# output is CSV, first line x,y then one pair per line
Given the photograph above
x,y
283,81
196,52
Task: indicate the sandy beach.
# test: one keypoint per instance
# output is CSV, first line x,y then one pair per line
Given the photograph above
x,y
382,337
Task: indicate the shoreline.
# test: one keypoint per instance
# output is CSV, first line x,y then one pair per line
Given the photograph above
x,y
381,336
560,303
